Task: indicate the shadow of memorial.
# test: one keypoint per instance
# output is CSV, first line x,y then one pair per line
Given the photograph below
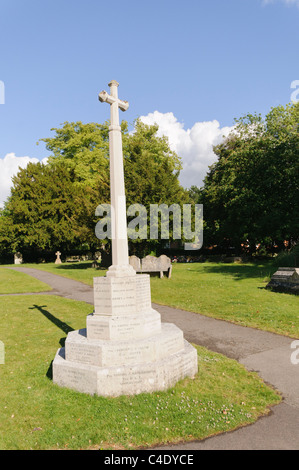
x,y
60,324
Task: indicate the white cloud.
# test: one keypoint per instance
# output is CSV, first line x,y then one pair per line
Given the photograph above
x,y
194,146
9,166
286,2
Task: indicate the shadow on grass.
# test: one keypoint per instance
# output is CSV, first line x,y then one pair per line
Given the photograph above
x,y
242,271
60,324
81,265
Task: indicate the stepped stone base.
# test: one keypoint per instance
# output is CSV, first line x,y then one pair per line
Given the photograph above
x,y
125,379
105,353
122,327
125,350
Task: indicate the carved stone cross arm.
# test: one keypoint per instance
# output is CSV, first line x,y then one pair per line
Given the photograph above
x,y
104,97
115,103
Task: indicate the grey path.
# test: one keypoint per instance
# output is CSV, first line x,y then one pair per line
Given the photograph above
x,y
268,354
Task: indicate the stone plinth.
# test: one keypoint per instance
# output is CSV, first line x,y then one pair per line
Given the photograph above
x,y
125,379
124,326
122,295
105,353
124,349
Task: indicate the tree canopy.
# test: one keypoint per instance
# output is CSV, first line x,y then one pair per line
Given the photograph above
x,y
251,193
52,206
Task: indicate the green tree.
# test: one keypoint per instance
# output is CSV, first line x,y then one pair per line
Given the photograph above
x,y
44,211
251,194
84,150
53,206
151,177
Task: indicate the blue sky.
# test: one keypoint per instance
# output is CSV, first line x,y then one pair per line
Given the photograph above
x,y
191,66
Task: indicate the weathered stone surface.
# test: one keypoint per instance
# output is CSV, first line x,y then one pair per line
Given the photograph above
x,y
123,327
18,258
122,295
77,376
124,348
285,280
151,264
58,259
105,353
125,379
135,263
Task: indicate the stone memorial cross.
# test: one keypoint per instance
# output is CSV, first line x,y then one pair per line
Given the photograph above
x,y
125,349
58,260
120,253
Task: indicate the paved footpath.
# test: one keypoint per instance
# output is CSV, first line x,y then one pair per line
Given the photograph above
x,y
266,353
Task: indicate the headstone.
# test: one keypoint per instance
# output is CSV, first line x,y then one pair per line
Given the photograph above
x,y
135,263
58,260
152,264
285,280
124,349
18,258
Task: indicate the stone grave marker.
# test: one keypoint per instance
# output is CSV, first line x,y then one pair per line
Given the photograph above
x,y
135,262
285,280
58,260
18,258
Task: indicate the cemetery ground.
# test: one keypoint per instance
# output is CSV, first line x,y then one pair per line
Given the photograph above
x,y
36,414
229,291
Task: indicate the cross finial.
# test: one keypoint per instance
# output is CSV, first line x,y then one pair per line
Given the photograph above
x,y
113,82
113,100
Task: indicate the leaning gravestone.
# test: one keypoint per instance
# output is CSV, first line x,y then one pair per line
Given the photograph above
x,y
135,263
285,280
124,349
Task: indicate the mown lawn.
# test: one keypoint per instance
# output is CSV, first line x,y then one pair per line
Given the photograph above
x,y
36,414
232,292
17,282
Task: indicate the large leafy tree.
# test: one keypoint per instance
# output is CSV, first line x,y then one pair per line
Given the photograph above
x,y
251,194
43,211
53,206
84,150
151,177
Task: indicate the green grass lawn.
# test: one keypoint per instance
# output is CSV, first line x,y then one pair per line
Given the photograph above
x,y
36,414
82,271
17,282
232,292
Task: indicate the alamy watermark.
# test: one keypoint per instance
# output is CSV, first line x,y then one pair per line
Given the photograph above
x,y
2,92
186,223
2,353
295,94
295,354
